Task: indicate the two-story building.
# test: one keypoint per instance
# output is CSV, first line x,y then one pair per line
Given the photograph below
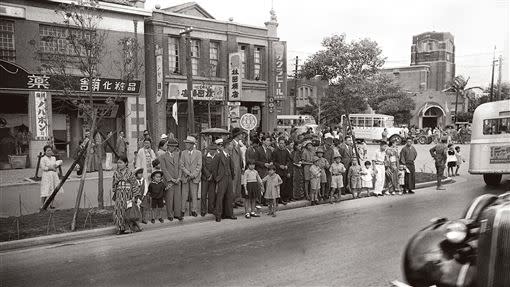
x,y
235,68
31,32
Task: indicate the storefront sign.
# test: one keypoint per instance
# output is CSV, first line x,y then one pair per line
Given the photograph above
x,y
280,74
200,92
500,154
108,111
41,115
15,77
159,74
12,11
234,77
248,121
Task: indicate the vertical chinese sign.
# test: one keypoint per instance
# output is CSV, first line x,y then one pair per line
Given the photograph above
x,y
235,87
41,115
280,74
159,74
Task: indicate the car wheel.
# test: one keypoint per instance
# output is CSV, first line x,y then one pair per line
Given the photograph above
x,y
492,179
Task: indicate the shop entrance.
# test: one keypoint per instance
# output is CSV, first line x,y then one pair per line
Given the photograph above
x,y
432,117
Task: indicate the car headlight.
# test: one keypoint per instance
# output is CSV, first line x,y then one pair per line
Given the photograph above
x,y
456,232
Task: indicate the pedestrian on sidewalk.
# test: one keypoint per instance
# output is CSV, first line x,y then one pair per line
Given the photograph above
x,y
298,183
237,158
49,178
144,159
379,160
191,170
323,165
307,158
253,187
451,160
223,174
125,188
337,169
348,153
172,178
272,189
282,162
208,188
122,144
315,180
439,154
367,178
460,159
156,191
355,184
408,155
392,165
142,185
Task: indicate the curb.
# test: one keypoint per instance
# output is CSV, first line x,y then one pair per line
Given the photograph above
x,y
99,232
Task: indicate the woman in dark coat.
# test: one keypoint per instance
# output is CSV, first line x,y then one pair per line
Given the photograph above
x,y
297,172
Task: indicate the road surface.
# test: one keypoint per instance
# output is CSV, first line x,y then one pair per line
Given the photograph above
x,y
353,243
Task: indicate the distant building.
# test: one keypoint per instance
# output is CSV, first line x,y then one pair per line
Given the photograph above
x,y
426,79
301,94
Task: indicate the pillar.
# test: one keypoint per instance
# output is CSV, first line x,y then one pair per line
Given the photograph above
x,y
130,108
40,119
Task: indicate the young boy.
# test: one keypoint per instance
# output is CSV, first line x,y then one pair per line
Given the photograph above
x,y
140,180
315,180
355,173
460,159
323,165
337,170
156,191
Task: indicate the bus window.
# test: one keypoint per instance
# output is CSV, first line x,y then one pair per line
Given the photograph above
x,y
361,122
369,122
388,122
353,122
496,126
377,122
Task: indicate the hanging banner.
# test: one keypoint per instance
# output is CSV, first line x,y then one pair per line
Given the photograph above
x,y
41,115
178,91
159,74
280,74
234,77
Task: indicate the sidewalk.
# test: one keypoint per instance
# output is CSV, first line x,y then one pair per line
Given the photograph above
x,y
110,230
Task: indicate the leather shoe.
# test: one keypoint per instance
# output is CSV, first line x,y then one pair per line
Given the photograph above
x,y
202,214
218,219
170,218
232,217
194,214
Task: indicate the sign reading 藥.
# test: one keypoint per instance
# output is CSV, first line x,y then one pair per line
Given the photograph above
x,y
41,115
234,77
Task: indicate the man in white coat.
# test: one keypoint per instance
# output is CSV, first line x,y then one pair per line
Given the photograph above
x,y
191,168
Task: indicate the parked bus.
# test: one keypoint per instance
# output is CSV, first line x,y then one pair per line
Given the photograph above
x,y
301,122
490,141
371,126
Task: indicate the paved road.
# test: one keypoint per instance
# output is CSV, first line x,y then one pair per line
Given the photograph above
x,y
353,243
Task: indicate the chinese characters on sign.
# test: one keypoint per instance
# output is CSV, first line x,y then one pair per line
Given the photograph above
x,y
234,77
178,91
248,121
40,82
159,74
41,115
280,74
108,111
500,154
100,85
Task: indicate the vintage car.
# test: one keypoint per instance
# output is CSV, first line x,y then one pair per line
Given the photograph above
x,y
471,251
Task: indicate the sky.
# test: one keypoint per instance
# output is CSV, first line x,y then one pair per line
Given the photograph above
x,y
478,26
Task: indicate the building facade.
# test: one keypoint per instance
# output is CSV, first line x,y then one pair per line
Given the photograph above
x,y
301,93
235,68
31,32
426,80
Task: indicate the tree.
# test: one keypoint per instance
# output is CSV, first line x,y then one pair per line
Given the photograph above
x,y
81,52
458,86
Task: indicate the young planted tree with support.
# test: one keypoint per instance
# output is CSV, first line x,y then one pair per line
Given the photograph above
x,y
82,52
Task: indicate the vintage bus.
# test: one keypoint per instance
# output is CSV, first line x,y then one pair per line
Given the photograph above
x,y
371,126
301,122
490,141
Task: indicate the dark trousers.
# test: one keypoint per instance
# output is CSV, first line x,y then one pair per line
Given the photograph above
x,y
285,188
439,172
346,177
224,198
409,178
208,196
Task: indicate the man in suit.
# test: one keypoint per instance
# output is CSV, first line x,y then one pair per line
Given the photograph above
x,y
346,150
237,158
328,155
172,174
191,167
208,196
223,174
264,157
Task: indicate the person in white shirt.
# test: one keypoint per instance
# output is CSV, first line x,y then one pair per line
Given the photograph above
x,y
378,163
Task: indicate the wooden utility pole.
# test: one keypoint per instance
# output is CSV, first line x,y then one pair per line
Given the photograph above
x,y
295,84
498,97
189,79
492,77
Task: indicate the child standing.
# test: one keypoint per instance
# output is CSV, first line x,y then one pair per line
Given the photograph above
x,y
451,160
337,169
460,159
142,187
323,164
156,191
367,177
272,193
401,178
252,184
355,173
315,181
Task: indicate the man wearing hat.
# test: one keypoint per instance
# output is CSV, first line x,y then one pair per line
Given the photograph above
x,y
191,168
328,155
223,174
439,153
172,173
346,150
238,160
208,192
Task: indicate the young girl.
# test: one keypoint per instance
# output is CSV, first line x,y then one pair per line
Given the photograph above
x,y
451,160
315,181
156,191
460,159
323,164
367,177
355,173
272,193
253,186
401,178
337,169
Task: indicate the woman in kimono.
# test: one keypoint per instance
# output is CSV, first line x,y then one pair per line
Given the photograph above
x,y
144,159
297,172
49,178
125,188
392,165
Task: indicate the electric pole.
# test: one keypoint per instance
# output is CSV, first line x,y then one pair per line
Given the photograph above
x,y
295,85
492,77
189,79
499,78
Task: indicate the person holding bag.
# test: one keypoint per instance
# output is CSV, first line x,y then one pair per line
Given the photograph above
x,y
125,194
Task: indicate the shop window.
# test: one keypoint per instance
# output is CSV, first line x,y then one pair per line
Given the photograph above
x,y
213,58
173,55
7,48
195,56
55,40
242,50
257,63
